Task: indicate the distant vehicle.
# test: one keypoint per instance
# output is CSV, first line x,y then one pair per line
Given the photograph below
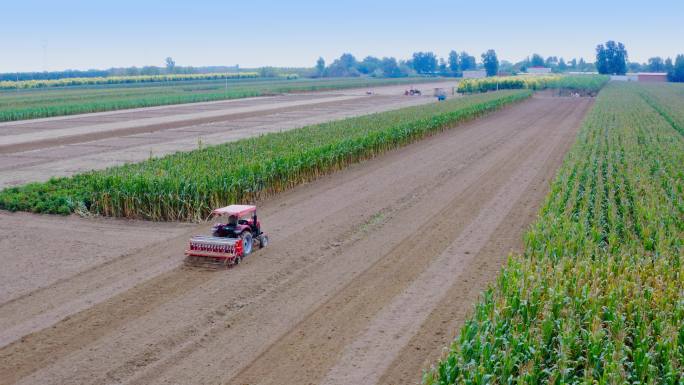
x,y
440,94
412,92
231,240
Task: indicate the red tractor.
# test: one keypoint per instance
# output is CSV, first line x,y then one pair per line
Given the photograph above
x,y
232,239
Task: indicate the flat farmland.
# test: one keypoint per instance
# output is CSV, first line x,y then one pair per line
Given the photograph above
x,y
370,269
36,150
49,101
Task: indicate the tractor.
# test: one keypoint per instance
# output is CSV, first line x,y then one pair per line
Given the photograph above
x,y
440,94
232,239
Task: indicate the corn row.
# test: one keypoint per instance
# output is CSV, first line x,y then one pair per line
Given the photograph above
x,y
597,295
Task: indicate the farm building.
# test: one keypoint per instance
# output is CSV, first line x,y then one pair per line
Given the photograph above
x,y
538,70
652,77
476,74
643,77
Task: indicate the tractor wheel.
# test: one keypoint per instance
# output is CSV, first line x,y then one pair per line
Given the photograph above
x,y
263,241
247,243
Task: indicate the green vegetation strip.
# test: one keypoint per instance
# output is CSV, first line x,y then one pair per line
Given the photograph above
x,y
584,84
187,186
13,85
597,297
59,101
668,100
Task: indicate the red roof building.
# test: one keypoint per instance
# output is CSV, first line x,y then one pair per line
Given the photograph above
x,y
652,77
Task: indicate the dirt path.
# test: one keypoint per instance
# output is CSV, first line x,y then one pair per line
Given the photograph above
x,y
369,272
36,150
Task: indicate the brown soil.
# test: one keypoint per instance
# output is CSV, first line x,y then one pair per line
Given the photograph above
x,y
369,273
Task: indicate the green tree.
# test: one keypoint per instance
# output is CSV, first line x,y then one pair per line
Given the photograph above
x,y
611,59
150,70
453,62
677,72
268,72
348,60
467,62
390,68
551,61
320,67
537,60
442,67
490,62
345,66
369,64
562,67
506,67
656,64
582,65
170,65
636,67
424,62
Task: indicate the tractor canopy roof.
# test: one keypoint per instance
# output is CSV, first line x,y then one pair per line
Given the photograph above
x,y
237,210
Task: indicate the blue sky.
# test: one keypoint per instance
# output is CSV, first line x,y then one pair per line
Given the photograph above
x,y
56,35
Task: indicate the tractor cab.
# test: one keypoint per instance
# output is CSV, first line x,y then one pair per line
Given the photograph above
x,y
236,220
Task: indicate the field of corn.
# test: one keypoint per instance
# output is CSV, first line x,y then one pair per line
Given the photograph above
x,y
47,102
13,85
589,84
186,186
597,296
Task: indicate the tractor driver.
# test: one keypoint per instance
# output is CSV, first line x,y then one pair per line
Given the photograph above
x,y
225,230
232,221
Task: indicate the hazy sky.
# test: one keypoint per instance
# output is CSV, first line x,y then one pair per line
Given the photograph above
x,y
56,35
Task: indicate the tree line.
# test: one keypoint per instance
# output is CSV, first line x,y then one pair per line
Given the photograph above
x,y
169,67
428,63
674,69
611,58
420,63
